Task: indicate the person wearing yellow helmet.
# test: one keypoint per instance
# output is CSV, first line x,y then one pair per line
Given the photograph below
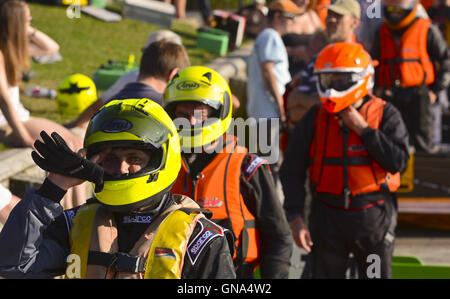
x,y
351,147
223,177
133,227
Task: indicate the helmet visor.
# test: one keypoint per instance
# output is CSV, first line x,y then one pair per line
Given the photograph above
x,y
117,119
144,162
337,81
197,92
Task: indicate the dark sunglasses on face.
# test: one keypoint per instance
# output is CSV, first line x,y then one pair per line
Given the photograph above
x,y
395,9
288,15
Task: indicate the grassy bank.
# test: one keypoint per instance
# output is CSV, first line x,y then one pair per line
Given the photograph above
x,y
86,43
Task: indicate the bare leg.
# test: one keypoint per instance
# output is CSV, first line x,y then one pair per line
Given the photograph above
x,y
180,7
77,195
4,213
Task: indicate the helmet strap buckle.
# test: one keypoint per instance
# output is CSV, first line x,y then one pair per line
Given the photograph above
x,y
153,177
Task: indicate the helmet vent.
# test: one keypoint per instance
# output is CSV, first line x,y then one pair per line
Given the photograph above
x,y
153,177
208,76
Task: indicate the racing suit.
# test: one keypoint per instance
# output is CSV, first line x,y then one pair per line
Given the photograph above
x,y
35,239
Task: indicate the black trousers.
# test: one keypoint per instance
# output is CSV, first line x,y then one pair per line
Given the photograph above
x,y
368,234
416,110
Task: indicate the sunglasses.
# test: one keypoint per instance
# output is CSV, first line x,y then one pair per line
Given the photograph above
x,y
395,9
288,15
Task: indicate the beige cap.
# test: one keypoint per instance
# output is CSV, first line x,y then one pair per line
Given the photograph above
x,y
346,7
167,35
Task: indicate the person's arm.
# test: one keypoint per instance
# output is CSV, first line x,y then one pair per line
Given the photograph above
x,y
30,238
439,52
270,83
83,119
41,43
260,196
20,132
293,170
375,54
293,174
209,253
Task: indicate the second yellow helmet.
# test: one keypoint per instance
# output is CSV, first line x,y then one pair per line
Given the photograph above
x,y
204,85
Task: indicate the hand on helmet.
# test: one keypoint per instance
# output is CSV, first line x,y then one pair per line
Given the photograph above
x,y
55,156
353,120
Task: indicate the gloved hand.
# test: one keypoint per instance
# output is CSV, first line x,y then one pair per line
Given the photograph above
x,y
55,156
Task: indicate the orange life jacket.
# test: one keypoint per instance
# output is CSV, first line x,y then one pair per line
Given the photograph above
x,y
340,162
216,188
405,62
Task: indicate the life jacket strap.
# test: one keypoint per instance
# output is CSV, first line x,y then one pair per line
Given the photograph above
x,y
120,262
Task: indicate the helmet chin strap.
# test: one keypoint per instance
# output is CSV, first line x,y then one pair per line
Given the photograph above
x,y
154,207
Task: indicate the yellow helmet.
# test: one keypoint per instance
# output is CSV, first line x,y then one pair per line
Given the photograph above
x,y
199,84
140,124
75,94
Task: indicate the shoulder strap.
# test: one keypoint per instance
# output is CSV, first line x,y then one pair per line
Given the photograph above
x,y
167,251
80,235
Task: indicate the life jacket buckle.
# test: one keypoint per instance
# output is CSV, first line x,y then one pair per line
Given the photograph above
x,y
129,263
347,194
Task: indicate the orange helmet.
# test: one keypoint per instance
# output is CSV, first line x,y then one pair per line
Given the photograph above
x,y
344,75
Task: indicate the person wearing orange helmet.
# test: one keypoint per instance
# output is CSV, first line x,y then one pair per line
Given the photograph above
x,y
342,20
414,67
353,146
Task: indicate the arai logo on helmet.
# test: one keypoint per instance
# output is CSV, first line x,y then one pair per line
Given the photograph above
x,y
116,125
187,85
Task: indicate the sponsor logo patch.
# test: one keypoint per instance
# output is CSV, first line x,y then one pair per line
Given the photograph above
x,y
137,219
210,203
252,166
188,85
357,148
116,125
196,247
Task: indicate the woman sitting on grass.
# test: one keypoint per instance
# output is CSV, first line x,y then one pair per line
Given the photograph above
x,y
17,127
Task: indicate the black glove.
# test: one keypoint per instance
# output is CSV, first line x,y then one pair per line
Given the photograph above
x,y
57,157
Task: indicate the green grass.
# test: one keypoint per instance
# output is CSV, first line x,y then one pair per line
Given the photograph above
x,y
86,43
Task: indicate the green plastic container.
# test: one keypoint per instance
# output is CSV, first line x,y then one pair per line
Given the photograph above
x,y
108,74
98,3
213,43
